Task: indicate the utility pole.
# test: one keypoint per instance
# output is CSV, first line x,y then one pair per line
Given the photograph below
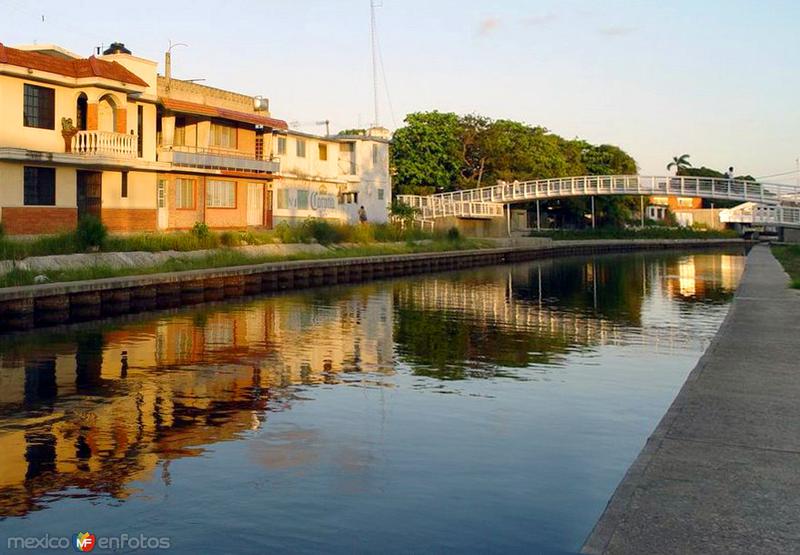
x,y
374,39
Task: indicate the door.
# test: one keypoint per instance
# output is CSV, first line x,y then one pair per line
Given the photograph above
x,y
255,204
89,194
268,208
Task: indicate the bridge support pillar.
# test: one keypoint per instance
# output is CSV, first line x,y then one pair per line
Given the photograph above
x,y
538,217
593,223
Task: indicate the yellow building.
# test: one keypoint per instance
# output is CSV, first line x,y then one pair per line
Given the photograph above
x,y
107,136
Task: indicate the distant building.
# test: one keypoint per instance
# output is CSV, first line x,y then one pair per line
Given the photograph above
x,y
658,206
688,211
107,136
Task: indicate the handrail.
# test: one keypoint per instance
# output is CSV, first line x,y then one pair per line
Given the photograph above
x,y
105,143
464,203
704,187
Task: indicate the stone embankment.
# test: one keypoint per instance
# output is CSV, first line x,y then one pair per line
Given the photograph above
x,y
55,303
720,472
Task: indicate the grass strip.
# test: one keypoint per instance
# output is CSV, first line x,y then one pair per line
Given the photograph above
x,y
789,257
226,257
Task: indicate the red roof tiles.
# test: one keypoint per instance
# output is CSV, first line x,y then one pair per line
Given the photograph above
x,y
212,111
86,67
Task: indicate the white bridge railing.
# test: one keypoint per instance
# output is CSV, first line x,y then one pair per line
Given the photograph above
x,y
463,203
762,215
105,143
433,206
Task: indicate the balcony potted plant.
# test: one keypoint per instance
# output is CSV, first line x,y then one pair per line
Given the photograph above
x,y
68,131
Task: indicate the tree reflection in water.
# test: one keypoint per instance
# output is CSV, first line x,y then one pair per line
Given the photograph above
x,y
88,411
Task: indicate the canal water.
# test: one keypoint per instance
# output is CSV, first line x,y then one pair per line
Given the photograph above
x,y
486,410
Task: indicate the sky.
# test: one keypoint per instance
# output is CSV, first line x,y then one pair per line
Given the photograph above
x,y
715,79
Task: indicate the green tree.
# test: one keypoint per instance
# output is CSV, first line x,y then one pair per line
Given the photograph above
x,y
680,163
427,152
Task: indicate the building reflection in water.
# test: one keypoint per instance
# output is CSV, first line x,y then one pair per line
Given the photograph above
x,y
92,409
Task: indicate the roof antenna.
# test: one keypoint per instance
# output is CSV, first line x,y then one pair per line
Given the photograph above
x,y
168,62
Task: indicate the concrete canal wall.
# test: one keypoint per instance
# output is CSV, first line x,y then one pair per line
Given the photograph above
x,y
56,303
720,472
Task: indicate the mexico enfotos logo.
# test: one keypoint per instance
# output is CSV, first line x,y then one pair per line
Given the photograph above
x,y
86,542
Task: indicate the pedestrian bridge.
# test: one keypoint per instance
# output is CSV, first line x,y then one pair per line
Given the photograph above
x,y
778,204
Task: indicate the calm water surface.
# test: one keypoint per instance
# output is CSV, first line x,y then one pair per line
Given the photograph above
x,y
488,410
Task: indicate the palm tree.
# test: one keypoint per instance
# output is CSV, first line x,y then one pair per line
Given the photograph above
x,y
679,163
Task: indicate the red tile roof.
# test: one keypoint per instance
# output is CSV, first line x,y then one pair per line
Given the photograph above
x,y
85,67
224,113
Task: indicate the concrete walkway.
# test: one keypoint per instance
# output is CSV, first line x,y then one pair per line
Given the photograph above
x,y
721,473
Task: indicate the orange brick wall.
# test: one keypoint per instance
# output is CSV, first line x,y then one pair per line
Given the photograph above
x,y
213,217
31,220
129,219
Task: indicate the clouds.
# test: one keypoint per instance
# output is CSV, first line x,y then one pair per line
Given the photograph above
x,y
491,24
538,20
488,26
617,30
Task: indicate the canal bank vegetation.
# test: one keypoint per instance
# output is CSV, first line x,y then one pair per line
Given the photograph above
x,y
647,232
229,257
789,257
91,235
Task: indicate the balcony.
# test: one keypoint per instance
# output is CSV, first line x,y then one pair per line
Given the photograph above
x,y
209,159
105,143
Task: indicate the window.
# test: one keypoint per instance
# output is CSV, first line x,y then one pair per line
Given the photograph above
x,y
381,194
220,194
283,199
281,145
301,148
348,198
347,158
184,194
323,152
376,155
40,186
39,108
140,131
162,193
180,132
302,199
259,146
124,187
223,136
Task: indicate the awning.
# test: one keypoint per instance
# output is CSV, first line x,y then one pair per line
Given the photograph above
x,y
204,110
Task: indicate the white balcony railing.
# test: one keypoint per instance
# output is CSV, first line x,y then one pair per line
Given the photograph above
x,y
105,143
213,159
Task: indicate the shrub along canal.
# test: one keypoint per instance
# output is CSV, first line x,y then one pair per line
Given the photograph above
x,y
487,409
